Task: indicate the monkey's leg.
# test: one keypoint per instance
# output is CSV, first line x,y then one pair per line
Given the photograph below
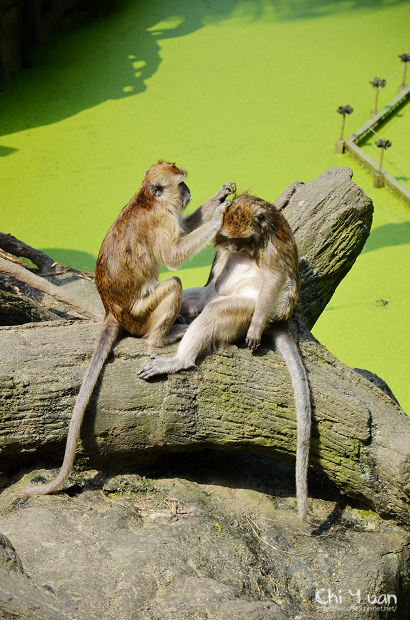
x,y
161,328
154,315
223,320
194,300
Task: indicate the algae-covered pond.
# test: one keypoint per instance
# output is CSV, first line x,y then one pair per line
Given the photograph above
x,y
234,90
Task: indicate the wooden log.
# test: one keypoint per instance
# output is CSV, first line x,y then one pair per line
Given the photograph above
x,y
19,272
234,400
331,218
17,308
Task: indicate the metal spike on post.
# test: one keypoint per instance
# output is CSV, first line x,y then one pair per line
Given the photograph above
x,y
405,58
379,176
378,83
343,110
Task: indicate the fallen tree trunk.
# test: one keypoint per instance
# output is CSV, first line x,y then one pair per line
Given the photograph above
x,y
234,400
331,218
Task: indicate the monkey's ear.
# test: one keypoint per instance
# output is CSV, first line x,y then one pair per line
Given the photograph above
x,y
156,189
260,216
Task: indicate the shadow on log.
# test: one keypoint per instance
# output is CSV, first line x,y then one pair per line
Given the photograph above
x,y
234,400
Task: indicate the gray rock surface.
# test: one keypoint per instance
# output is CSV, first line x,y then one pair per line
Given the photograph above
x,y
216,542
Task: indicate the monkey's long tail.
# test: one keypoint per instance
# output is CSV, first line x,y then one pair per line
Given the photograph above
x,y
288,349
108,335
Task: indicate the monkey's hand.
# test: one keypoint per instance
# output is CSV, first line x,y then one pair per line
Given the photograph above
x,y
253,338
215,205
224,198
226,190
216,218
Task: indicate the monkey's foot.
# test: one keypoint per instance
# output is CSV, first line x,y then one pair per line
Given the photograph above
x,y
160,366
156,340
176,333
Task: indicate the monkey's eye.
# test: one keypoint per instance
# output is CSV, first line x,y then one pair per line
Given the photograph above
x,y
156,189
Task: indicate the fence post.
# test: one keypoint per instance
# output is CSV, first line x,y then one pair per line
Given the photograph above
x,y
378,83
343,110
405,58
379,176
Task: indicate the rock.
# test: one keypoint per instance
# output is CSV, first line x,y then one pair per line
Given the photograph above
x,y
217,541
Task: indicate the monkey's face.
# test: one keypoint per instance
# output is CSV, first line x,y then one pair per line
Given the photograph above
x,y
240,245
166,183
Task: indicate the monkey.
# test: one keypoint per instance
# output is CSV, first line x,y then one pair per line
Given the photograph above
x,y
252,289
148,231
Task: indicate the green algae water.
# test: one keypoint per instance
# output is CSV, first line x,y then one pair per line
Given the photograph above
x,y
231,91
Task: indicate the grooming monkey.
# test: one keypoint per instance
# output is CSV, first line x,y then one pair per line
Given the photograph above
x,y
252,289
149,231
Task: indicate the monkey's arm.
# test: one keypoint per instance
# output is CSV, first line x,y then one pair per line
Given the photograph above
x,y
273,283
176,251
205,212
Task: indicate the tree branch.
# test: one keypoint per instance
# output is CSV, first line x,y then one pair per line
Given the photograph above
x,y
23,274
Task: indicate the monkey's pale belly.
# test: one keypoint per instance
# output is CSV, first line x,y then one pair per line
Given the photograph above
x,y
239,278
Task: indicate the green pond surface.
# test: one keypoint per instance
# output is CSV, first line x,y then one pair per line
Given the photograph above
x,y
232,91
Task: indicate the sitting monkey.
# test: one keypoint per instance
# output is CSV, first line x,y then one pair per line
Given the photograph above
x,y
149,231
252,289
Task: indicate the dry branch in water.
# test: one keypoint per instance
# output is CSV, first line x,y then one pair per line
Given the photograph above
x,y
44,263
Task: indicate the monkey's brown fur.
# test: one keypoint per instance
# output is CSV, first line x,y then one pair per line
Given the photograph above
x,y
145,234
253,288
256,227
149,231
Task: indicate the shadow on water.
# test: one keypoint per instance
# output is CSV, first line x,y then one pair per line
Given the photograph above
x,y
387,236
71,257
114,56
6,150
